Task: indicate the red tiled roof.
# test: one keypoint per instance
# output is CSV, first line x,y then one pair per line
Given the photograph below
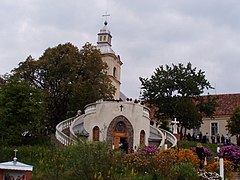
x,y
227,103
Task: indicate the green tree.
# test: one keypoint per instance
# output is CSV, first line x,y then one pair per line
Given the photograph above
x,y
2,81
21,110
233,122
70,79
175,91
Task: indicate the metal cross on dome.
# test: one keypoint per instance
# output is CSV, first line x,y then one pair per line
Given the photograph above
x,y
105,15
15,155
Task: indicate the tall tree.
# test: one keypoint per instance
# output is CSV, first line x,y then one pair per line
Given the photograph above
x,y
175,90
233,122
70,79
21,109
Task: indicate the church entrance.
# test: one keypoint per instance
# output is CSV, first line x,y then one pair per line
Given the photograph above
x,y
120,132
120,139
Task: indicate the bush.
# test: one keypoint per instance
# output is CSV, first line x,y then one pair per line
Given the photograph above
x,y
184,171
207,152
228,168
96,160
231,153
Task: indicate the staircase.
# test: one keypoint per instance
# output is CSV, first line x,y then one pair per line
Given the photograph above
x,y
64,133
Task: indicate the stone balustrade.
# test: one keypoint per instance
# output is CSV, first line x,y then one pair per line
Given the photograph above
x,y
60,135
91,108
169,137
146,112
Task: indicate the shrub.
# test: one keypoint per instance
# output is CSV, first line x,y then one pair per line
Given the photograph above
x,y
184,171
150,150
232,153
208,153
228,168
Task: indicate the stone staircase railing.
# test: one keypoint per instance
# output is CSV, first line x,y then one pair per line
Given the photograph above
x,y
157,132
171,138
60,135
165,135
71,139
78,121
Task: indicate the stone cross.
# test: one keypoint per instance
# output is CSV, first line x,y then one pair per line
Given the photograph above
x,y
175,122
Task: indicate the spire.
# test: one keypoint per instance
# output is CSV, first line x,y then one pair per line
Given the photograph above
x,y
15,155
105,38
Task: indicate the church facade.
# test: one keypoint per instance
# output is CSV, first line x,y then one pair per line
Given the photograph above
x,y
118,121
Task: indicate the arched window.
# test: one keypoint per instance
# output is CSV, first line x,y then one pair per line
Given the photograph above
x,y
121,127
96,133
115,72
142,138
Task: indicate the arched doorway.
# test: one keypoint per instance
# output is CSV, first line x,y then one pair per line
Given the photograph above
x,y
120,134
119,131
96,133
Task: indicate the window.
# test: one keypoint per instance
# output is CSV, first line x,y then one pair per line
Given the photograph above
x,y
96,133
104,38
100,38
142,138
120,127
115,72
214,128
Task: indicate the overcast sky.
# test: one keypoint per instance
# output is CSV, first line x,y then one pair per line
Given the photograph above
x,y
146,34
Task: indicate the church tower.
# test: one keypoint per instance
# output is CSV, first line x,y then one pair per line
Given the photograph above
x,y
108,56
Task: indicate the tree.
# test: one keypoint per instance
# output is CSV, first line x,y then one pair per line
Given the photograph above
x,y
233,122
69,78
175,91
21,110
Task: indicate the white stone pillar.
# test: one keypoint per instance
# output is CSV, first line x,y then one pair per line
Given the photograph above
x,y
221,165
165,146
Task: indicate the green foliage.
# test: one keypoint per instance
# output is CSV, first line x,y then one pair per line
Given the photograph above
x,y
184,171
233,122
190,144
96,160
187,113
69,78
175,91
21,109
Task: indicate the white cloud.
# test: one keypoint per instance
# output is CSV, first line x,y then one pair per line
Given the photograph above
x,y
146,34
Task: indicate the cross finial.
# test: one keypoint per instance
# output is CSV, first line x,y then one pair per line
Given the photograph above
x,y
15,154
105,15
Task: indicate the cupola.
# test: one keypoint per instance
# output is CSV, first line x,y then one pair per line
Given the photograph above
x,y
104,40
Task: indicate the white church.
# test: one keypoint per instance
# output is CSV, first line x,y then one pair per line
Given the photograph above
x,y
116,121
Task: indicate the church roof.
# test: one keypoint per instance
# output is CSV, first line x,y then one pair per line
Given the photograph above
x,y
105,49
227,103
15,165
